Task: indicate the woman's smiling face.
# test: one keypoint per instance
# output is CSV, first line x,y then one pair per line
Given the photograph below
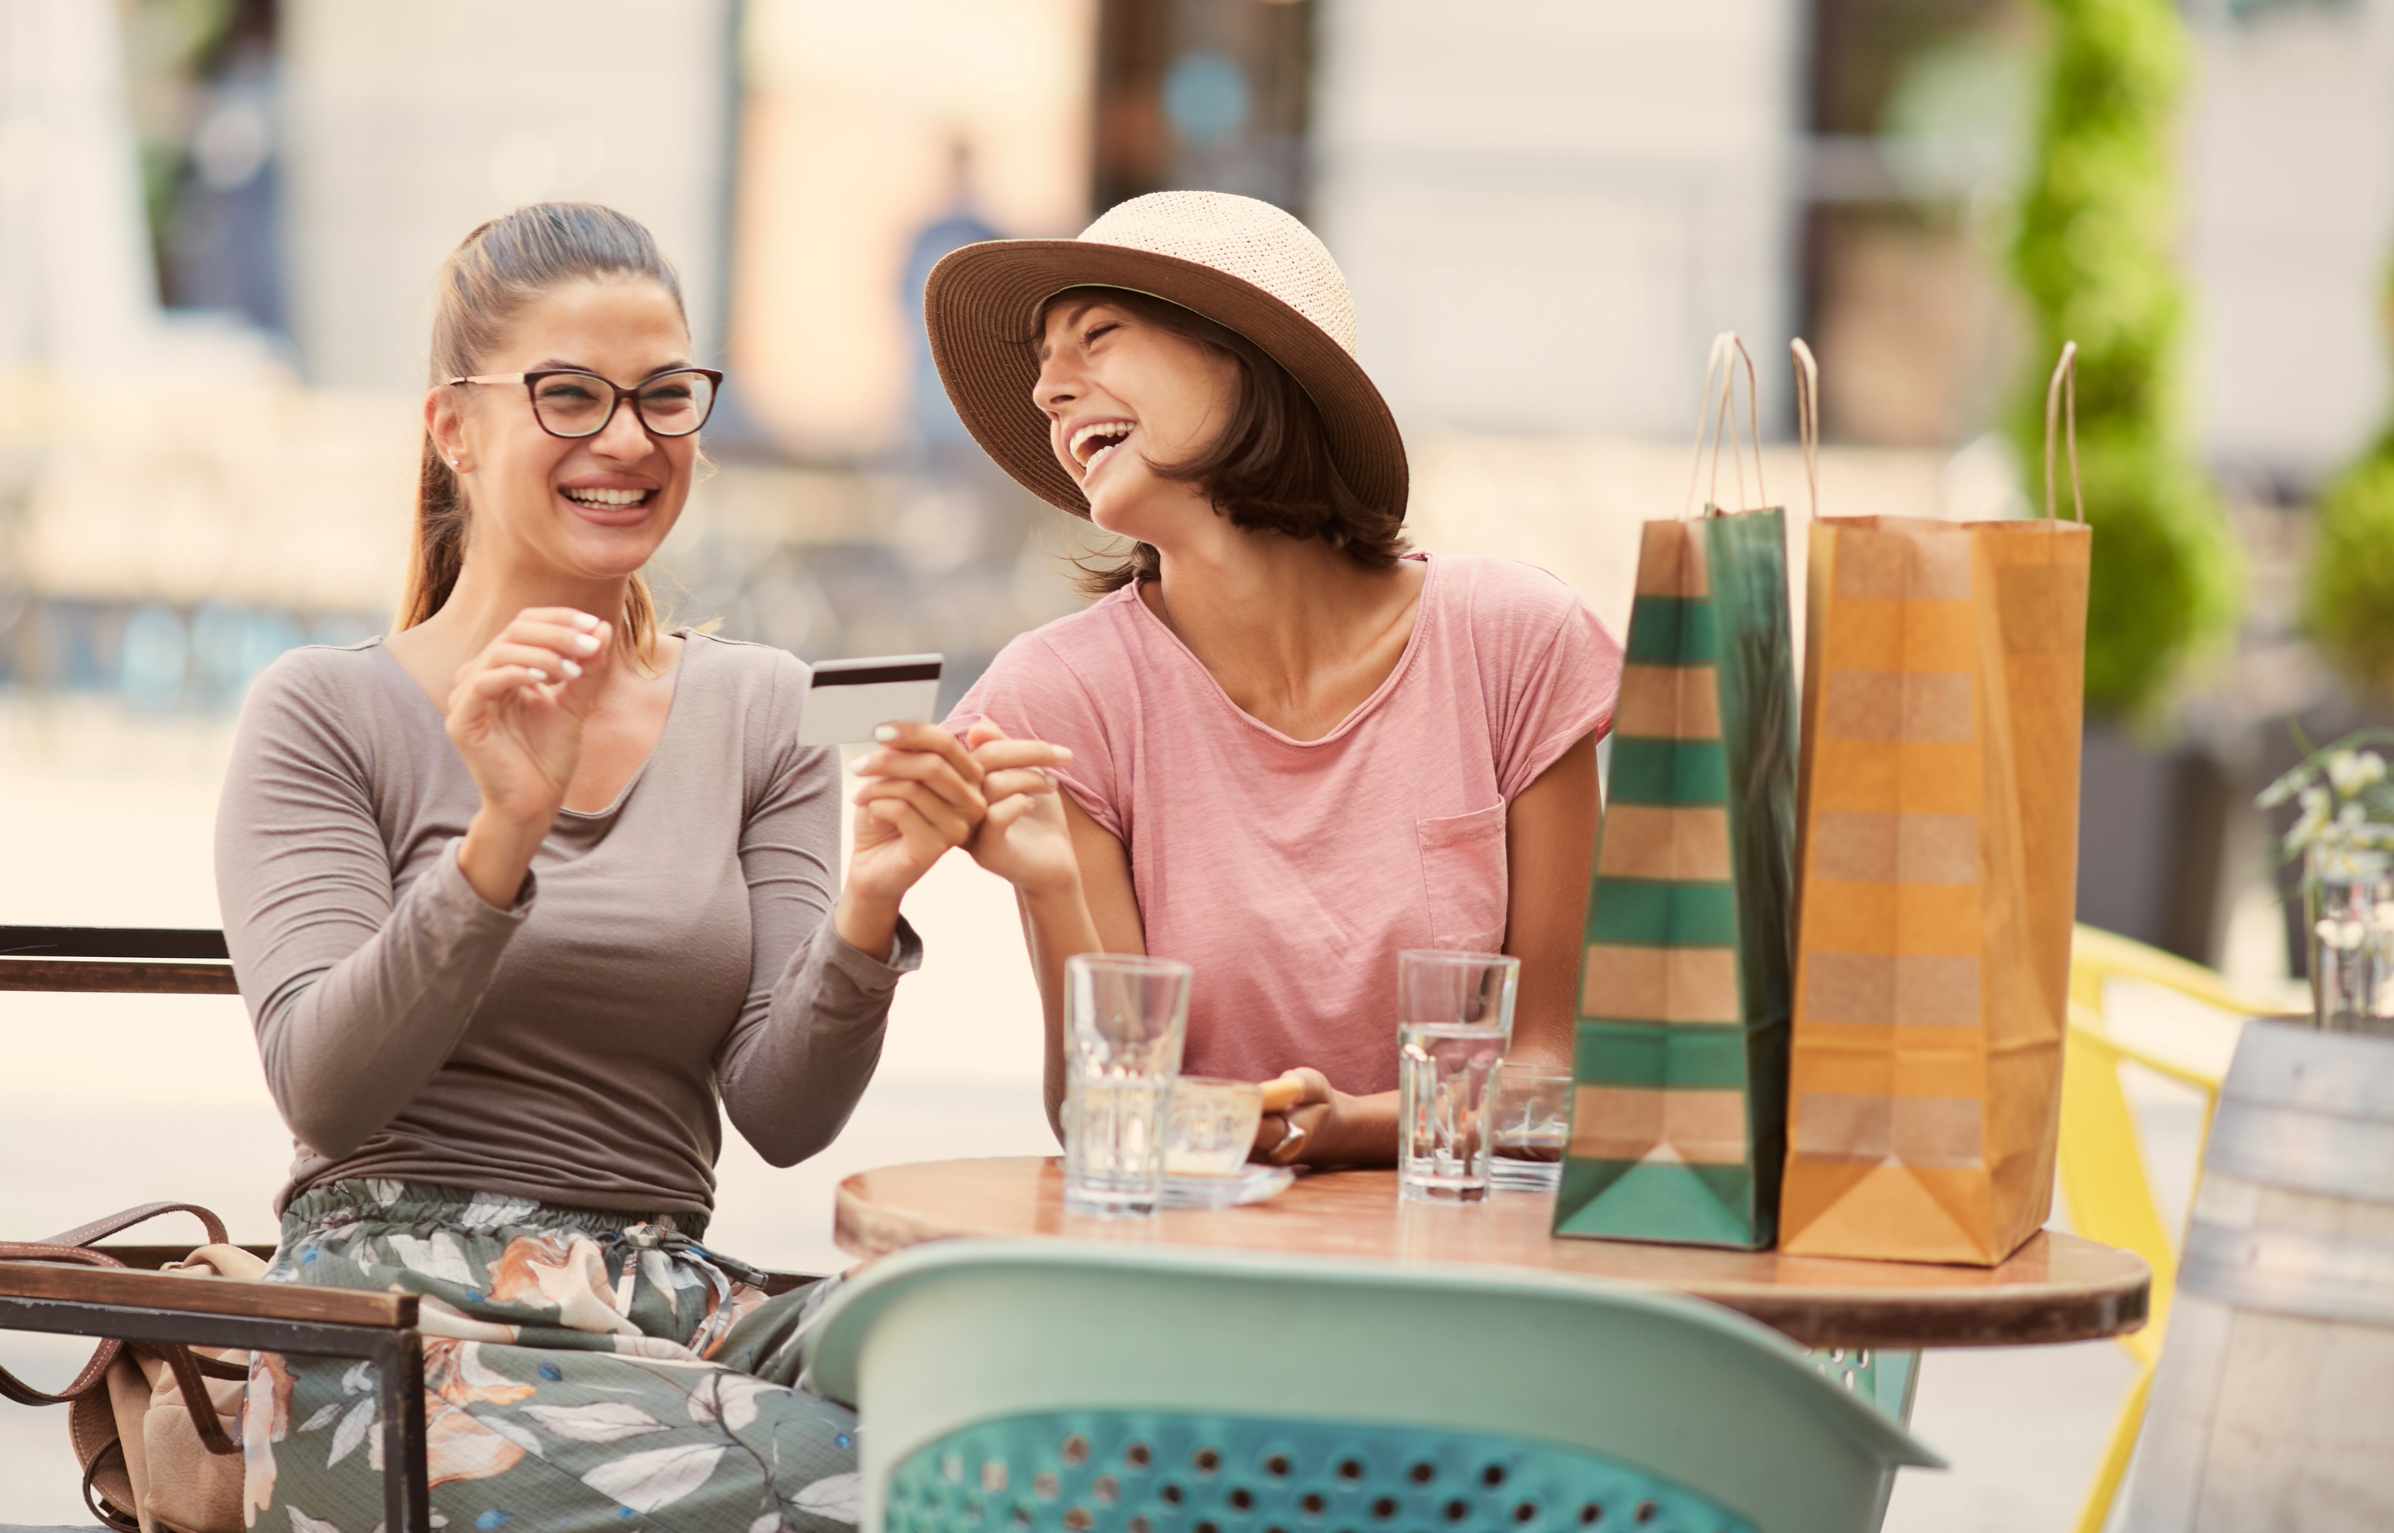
x,y
1122,394
591,507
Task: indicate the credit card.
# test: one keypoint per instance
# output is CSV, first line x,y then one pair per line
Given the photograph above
x,y
846,700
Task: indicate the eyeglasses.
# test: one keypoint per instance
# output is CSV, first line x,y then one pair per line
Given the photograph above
x,y
579,404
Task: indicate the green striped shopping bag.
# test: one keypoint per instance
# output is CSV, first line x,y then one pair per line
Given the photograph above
x,y
1679,1117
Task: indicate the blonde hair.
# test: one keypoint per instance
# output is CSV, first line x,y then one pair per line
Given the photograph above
x,y
497,270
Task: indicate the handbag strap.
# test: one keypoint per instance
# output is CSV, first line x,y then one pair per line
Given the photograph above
x,y
74,1247
196,1399
96,1367
124,1219
95,1501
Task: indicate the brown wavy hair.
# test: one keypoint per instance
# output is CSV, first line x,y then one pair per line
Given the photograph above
x,y
1269,470
486,280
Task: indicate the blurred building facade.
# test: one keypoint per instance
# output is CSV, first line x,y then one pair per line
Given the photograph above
x,y
1545,210
1546,213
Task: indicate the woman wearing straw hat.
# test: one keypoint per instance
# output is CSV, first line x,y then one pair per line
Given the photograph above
x,y
1298,747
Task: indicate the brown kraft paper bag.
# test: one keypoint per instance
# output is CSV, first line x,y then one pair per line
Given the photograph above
x,y
1944,673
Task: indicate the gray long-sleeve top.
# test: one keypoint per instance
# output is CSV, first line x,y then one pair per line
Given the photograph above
x,y
668,950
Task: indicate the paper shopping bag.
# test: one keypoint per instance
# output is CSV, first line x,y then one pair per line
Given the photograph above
x,y
1678,1121
1943,676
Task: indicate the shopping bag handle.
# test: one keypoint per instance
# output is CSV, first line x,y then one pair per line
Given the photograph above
x,y
1720,422
1807,373
2061,409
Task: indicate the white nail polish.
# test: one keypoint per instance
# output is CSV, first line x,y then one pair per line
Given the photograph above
x,y
587,643
570,669
539,675
585,621
886,734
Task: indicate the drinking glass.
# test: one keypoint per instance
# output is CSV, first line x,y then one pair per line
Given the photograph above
x,y
1126,1017
1212,1126
1531,1125
1454,1021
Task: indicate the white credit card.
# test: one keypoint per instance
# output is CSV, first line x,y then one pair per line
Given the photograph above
x,y
848,699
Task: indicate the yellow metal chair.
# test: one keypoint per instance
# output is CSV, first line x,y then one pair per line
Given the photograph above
x,y
2104,1180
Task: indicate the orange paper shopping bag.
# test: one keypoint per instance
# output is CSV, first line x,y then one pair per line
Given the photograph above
x,y
1944,668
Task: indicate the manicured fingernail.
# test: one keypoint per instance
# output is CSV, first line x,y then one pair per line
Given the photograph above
x,y
886,734
1063,753
588,643
538,674
569,668
585,621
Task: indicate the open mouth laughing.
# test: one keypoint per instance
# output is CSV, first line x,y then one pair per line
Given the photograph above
x,y
611,505
1093,442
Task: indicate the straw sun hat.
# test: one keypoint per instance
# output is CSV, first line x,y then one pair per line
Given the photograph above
x,y
1243,264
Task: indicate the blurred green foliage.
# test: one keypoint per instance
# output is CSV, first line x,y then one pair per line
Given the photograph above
x,y
2348,602
2093,253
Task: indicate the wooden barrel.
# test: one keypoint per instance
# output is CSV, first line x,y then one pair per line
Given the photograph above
x,y
2274,1404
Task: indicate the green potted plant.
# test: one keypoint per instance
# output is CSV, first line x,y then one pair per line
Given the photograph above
x,y
2348,603
2094,252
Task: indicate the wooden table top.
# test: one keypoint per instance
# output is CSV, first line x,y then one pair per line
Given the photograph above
x,y
2058,1287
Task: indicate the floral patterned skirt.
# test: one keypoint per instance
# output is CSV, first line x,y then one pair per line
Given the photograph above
x,y
582,1370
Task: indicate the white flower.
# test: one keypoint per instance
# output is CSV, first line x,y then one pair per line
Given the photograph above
x,y
2284,788
2314,820
2351,771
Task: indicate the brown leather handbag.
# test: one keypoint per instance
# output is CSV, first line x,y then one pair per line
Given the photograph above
x,y
155,1426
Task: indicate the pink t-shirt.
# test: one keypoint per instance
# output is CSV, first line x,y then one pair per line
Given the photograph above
x,y
1291,873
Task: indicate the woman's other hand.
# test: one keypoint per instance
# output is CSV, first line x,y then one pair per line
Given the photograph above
x,y
1025,839
515,714
921,795
1305,1121
516,710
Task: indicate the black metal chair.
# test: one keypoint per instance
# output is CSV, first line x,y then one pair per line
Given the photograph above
x,y
139,1306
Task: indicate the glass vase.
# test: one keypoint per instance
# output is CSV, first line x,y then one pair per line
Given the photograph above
x,y
2348,897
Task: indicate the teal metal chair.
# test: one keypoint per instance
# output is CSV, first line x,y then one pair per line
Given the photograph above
x,y
1888,1380
1054,1385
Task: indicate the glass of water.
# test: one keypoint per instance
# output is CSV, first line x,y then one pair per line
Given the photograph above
x,y
1454,1022
1531,1118
1212,1126
1126,1017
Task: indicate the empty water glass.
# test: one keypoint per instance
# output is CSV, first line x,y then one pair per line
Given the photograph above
x,y
1126,1017
1531,1124
1454,1021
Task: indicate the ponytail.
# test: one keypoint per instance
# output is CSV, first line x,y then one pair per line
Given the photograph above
x,y
439,546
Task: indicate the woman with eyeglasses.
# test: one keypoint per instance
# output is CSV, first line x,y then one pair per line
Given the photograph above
x,y
516,895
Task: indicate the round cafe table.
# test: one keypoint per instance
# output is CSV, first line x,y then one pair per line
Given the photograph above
x,y
2055,1288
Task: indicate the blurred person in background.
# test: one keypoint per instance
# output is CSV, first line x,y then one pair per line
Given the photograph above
x,y
515,895
1298,746
938,437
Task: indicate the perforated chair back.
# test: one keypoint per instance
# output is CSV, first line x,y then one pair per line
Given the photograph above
x,y
1055,1385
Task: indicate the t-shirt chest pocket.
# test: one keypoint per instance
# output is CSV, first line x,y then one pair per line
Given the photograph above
x,y
1463,875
